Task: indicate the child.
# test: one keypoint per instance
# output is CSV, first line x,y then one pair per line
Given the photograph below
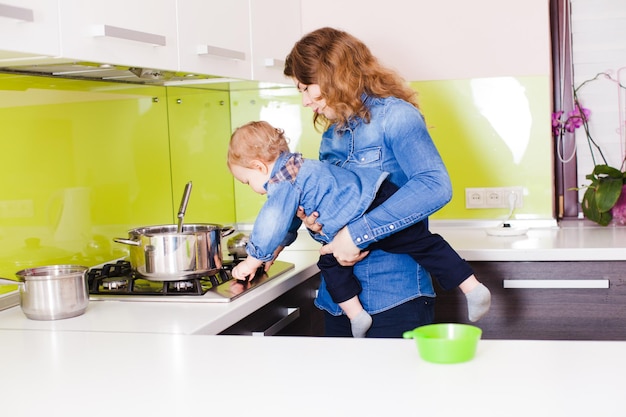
x,y
258,155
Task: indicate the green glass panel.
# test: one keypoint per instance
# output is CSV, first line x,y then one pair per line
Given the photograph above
x,y
199,126
83,161
283,109
493,132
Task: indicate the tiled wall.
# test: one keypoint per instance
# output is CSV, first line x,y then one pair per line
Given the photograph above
x,y
85,161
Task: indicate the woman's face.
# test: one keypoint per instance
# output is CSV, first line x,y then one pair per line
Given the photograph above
x,y
311,98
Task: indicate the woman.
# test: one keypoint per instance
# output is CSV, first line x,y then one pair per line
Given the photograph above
x,y
371,118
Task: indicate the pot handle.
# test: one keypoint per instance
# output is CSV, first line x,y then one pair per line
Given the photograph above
x,y
5,281
127,241
227,230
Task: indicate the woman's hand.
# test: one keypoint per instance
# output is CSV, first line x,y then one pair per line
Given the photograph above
x,y
310,222
343,249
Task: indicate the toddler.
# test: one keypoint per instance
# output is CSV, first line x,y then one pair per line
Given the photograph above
x,y
259,156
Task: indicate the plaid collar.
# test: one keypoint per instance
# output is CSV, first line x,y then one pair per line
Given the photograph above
x,y
289,170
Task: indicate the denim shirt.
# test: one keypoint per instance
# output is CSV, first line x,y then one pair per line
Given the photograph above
x,y
339,195
397,141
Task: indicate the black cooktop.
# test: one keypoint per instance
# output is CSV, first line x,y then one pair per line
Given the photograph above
x,y
117,281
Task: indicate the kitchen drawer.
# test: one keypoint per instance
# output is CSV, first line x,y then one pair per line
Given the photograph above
x,y
291,314
546,300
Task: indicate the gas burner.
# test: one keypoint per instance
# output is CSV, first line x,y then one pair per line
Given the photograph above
x,y
119,278
120,282
115,283
182,285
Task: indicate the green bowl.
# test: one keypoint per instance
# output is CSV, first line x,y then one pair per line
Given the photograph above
x,y
445,342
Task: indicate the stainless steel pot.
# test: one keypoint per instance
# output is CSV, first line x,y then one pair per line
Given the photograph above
x,y
160,253
52,292
237,245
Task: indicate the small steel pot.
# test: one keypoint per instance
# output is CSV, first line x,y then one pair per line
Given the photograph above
x,y
52,292
160,253
237,245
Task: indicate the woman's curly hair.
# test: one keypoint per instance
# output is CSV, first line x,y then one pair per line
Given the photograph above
x,y
345,69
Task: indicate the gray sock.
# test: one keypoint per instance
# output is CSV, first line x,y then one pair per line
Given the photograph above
x,y
361,324
478,302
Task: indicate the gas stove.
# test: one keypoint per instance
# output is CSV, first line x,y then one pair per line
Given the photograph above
x,y
117,281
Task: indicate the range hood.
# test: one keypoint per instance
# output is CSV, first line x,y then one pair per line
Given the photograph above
x,y
113,73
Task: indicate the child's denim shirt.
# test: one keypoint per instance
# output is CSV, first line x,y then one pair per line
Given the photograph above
x,y
337,194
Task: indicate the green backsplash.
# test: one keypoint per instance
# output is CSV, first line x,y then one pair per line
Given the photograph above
x,y
491,132
283,109
85,161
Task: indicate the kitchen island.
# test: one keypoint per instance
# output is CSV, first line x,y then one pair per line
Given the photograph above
x,y
103,374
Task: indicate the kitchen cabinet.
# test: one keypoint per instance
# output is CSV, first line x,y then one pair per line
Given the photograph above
x,y
239,39
291,314
215,38
426,40
132,33
28,29
573,300
275,28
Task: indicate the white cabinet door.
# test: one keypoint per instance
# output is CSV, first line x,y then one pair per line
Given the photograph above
x,y
450,39
28,28
275,26
139,33
214,37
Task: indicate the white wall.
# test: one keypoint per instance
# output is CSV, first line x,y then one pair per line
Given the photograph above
x,y
599,45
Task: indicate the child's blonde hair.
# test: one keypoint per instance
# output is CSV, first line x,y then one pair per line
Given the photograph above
x,y
256,140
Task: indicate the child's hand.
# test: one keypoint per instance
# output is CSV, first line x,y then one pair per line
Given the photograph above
x,y
246,269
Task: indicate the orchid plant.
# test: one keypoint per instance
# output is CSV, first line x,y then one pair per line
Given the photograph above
x,y
603,199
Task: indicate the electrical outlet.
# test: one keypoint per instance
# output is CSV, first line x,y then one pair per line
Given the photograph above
x,y
474,198
494,197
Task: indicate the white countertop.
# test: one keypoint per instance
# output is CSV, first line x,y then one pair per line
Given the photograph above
x,y
104,374
571,241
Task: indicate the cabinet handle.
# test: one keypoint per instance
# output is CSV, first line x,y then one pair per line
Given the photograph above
x,y
292,315
19,13
221,52
129,35
273,63
556,283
